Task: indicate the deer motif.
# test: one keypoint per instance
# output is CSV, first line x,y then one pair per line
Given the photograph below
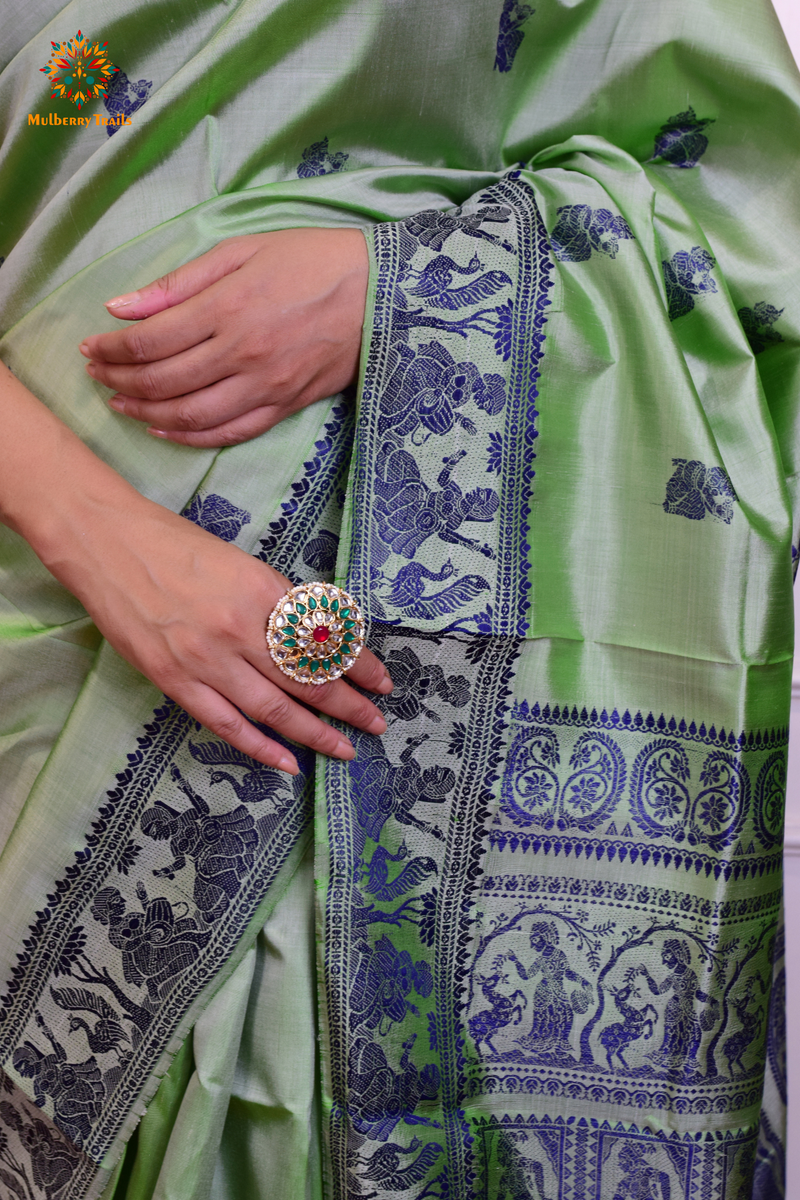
x,y
485,1024
617,1037
735,1047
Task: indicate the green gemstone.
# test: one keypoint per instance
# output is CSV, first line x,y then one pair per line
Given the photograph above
x,y
348,637
292,618
326,662
324,601
337,658
334,605
345,612
303,662
349,624
289,642
312,604
314,665
301,608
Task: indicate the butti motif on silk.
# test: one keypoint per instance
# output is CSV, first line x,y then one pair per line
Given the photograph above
x,y
315,633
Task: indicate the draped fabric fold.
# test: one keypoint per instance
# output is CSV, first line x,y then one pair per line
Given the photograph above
x,y
539,939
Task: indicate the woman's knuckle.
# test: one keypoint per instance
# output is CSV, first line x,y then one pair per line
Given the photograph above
x,y
228,727
276,710
149,382
135,345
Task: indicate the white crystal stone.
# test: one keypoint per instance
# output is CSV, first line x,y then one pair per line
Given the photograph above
x,y
288,607
347,661
280,622
317,591
302,597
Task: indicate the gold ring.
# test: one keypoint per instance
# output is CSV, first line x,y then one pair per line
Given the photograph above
x,y
315,633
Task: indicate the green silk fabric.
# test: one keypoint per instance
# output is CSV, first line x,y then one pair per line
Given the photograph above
x,y
652,509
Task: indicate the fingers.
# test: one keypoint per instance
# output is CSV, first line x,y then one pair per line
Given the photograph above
x,y
197,410
156,338
230,433
217,714
370,673
187,281
336,699
272,706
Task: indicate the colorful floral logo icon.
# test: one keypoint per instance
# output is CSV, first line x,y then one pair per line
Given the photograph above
x,y
78,69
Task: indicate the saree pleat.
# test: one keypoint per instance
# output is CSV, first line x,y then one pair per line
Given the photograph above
x,y
526,944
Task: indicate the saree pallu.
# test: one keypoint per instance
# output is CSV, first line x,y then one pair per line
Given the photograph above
x,y
526,944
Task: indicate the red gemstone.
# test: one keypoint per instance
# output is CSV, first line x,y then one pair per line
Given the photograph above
x,y
320,633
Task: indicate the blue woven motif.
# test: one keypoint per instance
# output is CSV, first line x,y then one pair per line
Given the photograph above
x,y
510,35
757,323
695,490
123,97
681,141
490,286
581,229
217,515
318,160
686,275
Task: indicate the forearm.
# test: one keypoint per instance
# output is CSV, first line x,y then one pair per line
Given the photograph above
x,y
53,488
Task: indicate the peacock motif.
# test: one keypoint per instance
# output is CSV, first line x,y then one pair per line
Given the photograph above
x,y
433,282
405,591
108,1034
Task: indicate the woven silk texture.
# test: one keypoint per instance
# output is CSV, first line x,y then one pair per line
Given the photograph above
x,y
526,945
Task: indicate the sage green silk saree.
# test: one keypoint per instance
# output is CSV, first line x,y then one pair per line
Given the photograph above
x,y
526,944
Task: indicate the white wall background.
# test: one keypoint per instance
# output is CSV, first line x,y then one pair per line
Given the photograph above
x,y
789,14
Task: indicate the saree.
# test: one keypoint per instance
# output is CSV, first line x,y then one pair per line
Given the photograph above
x,y
526,944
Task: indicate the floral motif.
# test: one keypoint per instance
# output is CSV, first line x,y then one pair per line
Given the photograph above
x,y
494,453
581,229
681,141
695,490
757,323
686,275
318,160
510,35
217,515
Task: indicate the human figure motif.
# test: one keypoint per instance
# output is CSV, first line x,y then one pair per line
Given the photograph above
x,y
76,1089
683,1029
53,1159
640,1181
553,1010
221,847
518,1174
380,1097
155,944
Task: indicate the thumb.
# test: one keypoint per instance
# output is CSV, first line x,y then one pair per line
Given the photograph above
x,y
186,281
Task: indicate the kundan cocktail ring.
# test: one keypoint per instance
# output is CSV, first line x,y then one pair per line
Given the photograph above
x,y
315,633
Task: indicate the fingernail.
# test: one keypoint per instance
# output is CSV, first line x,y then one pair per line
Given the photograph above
x,y
385,686
124,301
289,765
117,403
84,349
345,748
378,725
158,432
90,369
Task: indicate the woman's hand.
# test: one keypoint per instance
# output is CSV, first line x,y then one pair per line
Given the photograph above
x,y
185,608
230,344
189,611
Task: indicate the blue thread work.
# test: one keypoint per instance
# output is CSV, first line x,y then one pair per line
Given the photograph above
x,y
318,160
510,35
687,275
123,97
696,491
681,141
217,515
581,229
757,323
